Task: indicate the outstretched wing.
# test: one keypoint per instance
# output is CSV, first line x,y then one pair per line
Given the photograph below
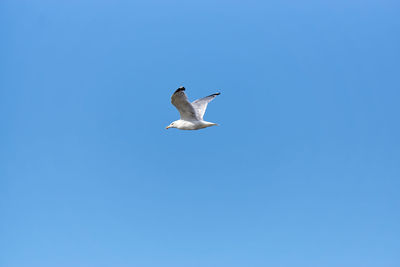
x,y
200,105
182,104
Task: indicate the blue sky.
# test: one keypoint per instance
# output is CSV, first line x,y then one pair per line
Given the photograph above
x,y
302,171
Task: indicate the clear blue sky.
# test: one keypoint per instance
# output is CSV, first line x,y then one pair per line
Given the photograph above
x,y
304,170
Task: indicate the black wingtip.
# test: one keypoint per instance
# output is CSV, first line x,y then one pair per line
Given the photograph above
x,y
217,93
180,89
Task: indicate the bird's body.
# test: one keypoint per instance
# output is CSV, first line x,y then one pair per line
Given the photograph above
x,y
192,125
191,113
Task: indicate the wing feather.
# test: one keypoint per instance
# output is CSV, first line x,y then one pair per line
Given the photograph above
x,y
182,104
200,105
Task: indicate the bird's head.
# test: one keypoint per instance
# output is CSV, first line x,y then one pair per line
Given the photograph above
x,y
172,125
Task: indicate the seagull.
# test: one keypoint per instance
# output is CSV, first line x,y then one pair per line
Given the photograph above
x,y
191,113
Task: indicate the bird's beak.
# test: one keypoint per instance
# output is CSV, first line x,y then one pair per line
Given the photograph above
x,y
168,127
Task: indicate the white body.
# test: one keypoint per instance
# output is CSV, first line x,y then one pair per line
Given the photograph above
x,y
192,125
191,113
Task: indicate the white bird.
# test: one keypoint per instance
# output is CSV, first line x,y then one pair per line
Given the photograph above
x,y
191,113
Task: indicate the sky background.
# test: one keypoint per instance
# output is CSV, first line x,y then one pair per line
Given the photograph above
x,y
304,169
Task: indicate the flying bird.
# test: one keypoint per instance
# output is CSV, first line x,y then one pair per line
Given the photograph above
x,y
191,113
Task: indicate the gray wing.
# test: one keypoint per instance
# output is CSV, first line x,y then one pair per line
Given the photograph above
x,y
200,105
182,104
